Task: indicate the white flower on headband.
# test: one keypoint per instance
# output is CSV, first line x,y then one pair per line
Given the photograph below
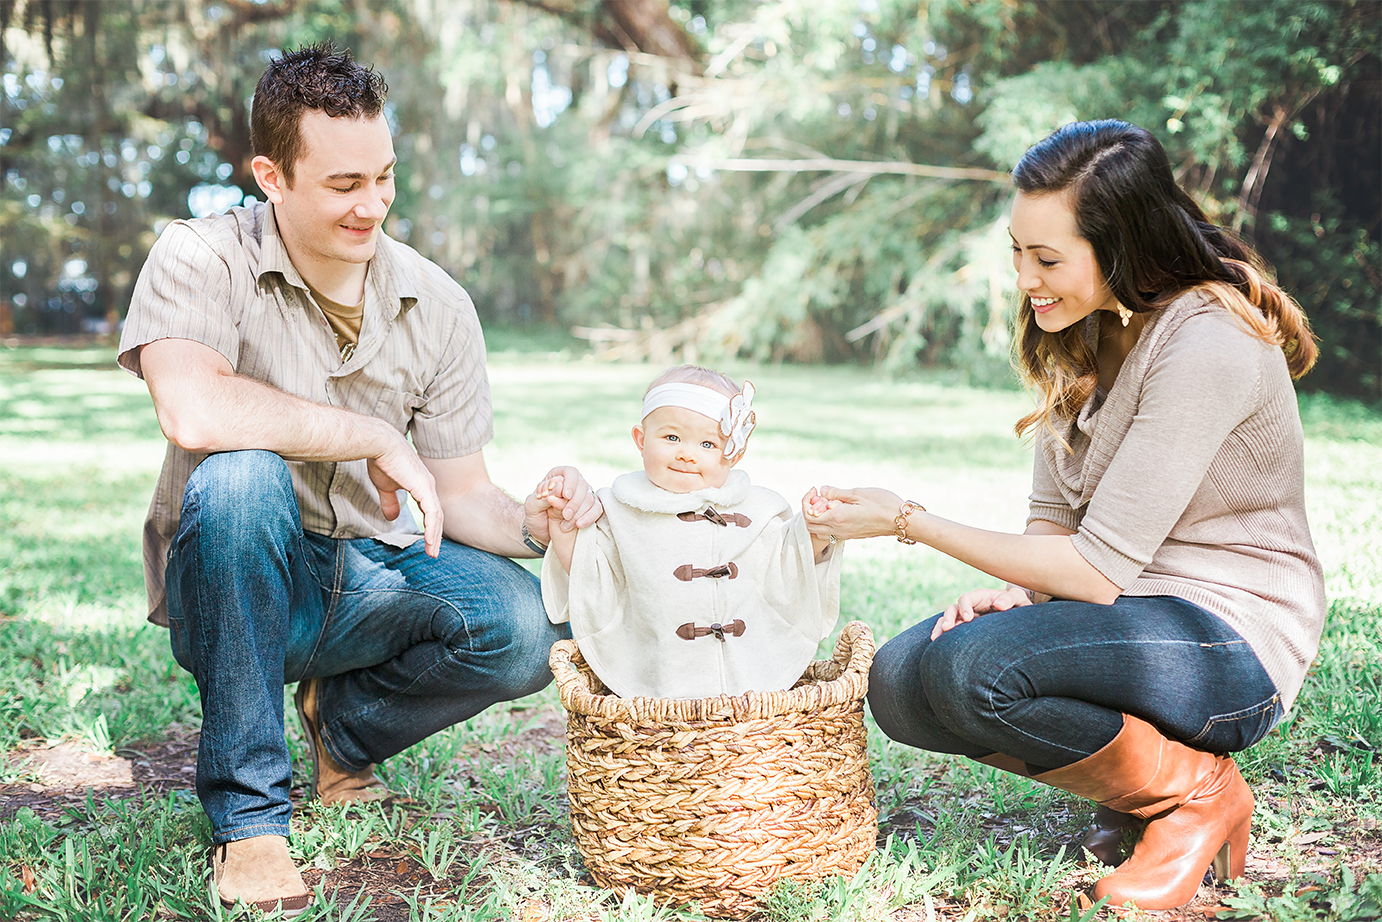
x,y
737,421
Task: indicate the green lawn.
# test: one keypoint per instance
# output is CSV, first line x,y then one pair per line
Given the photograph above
x,y
487,837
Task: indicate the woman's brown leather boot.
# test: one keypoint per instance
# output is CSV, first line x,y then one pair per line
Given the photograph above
x,y
1198,811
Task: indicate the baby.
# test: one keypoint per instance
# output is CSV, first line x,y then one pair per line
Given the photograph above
x,y
694,582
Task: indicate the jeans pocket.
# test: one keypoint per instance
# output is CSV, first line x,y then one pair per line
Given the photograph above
x,y
177,639
1236,731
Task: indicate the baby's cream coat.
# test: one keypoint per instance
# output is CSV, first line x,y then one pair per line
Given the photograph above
x,y
636,577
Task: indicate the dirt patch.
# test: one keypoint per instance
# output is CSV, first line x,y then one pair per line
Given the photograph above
x,y
60,779
57,777
70,764
383,877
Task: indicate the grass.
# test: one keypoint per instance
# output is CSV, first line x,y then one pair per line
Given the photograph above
x,y
487,835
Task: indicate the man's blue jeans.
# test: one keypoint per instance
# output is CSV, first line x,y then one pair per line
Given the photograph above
x,y
404,644
1048,684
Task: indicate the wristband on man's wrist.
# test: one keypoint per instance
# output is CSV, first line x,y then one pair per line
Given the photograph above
x,y
531,542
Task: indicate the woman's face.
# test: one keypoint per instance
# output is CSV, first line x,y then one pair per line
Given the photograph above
x,y
1055,265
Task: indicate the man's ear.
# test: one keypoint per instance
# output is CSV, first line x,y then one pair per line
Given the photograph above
x,y
270,178
638,438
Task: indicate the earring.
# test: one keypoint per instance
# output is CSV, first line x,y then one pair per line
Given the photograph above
x,y
1124,313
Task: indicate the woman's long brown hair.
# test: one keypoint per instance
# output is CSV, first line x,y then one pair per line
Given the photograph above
x,y
1152,244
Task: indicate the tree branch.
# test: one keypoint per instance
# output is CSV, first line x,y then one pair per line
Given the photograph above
x,y
748,165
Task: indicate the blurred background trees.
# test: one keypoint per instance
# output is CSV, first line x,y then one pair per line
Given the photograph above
x,y
803,180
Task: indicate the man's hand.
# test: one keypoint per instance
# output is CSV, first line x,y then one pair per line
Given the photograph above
x,y
398,467
979,602
551,502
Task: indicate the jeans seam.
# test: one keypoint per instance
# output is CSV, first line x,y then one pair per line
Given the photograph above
x,y
332,594
997,680
195,534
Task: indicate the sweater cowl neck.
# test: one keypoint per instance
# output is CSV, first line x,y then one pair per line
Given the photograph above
x,y
1094,434
636,490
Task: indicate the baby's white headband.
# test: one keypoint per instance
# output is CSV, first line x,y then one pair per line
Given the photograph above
x,y
735,414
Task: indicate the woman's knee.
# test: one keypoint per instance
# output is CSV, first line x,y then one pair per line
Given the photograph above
x,y
960,673
897,697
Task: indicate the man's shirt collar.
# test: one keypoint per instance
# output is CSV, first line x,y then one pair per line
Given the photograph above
x,y
391,279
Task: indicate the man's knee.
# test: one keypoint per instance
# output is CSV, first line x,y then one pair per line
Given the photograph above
x,y
252,477
502,637
239,523
239,492
527,637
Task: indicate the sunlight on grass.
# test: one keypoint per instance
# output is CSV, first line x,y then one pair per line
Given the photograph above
x,y
1343,465
80,450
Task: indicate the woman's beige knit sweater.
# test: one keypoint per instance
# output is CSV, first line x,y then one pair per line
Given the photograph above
x,y
1187,479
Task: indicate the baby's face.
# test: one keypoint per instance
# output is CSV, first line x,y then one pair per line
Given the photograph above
x,y
682,450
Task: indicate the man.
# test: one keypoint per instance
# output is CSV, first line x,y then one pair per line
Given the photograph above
x,y
288,348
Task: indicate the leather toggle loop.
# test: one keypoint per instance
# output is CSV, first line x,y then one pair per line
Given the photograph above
x,y
686,572
721,519
689,630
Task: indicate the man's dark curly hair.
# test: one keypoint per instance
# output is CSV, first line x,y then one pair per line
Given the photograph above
x,y
312,77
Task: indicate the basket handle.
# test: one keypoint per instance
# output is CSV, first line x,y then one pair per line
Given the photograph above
x,y
570,681
854,649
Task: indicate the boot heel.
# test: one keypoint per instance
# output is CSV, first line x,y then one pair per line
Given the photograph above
x,y
1221,862
1231,860
1233,856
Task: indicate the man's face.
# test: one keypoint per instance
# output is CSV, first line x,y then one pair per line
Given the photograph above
x,y
342,188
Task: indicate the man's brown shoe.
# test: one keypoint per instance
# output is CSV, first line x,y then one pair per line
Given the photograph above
x,y
331,783
258,871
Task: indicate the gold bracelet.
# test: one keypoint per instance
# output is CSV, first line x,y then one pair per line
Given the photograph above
x,y
900,523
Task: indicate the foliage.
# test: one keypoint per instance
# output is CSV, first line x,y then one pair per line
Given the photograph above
x,y
604,163
1271,98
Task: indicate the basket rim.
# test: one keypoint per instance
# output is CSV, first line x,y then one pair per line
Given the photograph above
x,y
853,655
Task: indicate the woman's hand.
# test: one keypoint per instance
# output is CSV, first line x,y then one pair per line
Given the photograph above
x,y
979,602
863,513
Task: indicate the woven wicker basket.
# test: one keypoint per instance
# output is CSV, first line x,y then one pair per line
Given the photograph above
x,y
711,800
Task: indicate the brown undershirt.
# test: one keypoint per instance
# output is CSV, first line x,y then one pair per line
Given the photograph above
x,y
343,319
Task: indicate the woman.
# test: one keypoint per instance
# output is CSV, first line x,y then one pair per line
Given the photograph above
x,y
1165,600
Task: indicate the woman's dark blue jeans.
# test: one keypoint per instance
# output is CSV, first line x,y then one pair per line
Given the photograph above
x,y
1049,683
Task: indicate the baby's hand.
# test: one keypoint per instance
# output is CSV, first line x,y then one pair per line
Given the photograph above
x,y
546,498
813,504
549,492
